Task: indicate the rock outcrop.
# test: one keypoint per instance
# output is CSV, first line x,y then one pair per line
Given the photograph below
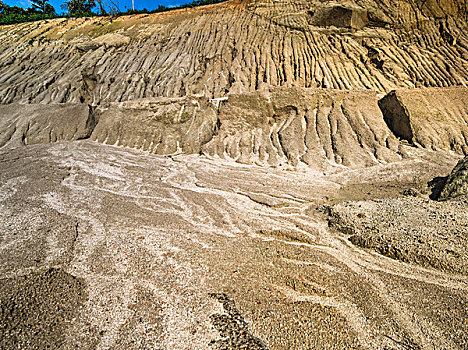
x,y
433,118
35,123
457,182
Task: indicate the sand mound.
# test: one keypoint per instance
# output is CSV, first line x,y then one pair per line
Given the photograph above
x,y
35,308
409,229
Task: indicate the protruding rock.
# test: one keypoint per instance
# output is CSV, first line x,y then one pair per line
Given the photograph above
x,y
433,118
340,16
457,182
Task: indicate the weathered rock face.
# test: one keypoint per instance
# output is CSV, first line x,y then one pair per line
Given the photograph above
x,y
433,118
236,48
339,16
161,126
315,128
66,79
457,182
34,123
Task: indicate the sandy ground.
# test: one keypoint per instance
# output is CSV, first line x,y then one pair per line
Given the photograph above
x,y
417,230
104,247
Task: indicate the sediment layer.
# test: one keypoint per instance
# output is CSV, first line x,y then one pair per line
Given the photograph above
x,y
233,48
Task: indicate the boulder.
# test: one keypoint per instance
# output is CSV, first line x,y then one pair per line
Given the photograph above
x,y
340,16
457,182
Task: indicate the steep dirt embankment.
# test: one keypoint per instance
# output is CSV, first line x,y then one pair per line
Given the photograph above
x,y
316,128
269,68
231,48
278,127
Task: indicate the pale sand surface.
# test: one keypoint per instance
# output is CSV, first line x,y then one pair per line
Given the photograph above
x,y
116,248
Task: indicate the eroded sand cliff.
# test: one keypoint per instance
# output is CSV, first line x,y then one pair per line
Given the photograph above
x,y
246,175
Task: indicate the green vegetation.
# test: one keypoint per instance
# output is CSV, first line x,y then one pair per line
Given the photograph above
x,y
162,8
42,6
41,9
79,8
